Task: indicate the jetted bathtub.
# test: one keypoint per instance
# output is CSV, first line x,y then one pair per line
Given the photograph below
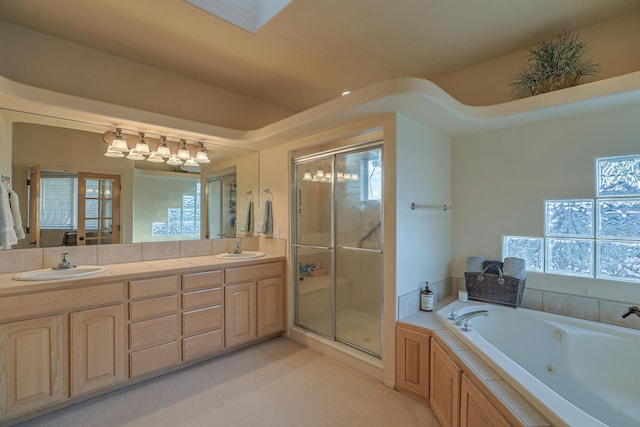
x,y
576,372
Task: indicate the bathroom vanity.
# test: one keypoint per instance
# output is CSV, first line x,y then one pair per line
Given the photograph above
x,y
68,340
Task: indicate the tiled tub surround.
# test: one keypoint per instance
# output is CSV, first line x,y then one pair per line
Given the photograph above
x,y
559,363
581,307
19,260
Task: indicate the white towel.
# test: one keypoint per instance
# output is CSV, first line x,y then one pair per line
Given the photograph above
x,y
515,267
264,220
474,264
245,219
7,230
15,213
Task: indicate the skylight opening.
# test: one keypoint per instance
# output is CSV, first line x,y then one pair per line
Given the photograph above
x,y
250,15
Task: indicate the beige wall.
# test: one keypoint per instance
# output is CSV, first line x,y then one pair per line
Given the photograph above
x,y
613,44
502,178
52,63
423,176
5,146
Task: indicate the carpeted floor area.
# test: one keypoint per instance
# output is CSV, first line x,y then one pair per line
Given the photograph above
x,y
276,383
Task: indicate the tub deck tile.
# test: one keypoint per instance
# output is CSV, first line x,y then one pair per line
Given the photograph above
x,y
479,367
518,406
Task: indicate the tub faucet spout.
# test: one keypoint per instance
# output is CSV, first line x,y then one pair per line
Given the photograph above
x,y
470,315
632,310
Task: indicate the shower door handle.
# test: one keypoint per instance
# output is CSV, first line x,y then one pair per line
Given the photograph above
x,y
295,245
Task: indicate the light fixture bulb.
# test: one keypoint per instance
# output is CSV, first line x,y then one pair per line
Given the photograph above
x,y
174,161
191,162
307,176
355,177
201,155
183,152
134,155
141,146
114,154
163,149
346,176
154,158
320,173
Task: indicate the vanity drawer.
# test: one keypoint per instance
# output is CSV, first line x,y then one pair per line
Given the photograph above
x,y
208,279
201,345
154,358
154,331
154,307
42,303
201,299
156,287
202,320
253,272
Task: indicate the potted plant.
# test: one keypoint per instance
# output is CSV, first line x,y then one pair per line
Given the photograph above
x,y
554,64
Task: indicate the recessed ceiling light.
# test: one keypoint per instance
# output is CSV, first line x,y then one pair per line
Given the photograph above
x,y
345,92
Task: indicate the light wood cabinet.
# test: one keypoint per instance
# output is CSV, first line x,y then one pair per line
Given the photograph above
x,y
270,306
97,348
240,325
444,387
412,364
68,342
154,325
476,410
32,364
202,316
253,303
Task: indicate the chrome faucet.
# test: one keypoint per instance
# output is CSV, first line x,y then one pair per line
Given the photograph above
x,y
65,263
470,315
237,248
466,323
634,309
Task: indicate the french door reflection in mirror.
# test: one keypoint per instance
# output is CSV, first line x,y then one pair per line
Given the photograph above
x,y
69,208
98,209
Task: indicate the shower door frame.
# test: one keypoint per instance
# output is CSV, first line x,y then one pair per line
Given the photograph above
x,y
331,154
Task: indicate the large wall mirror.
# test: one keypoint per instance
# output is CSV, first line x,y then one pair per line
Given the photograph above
x,y
86,198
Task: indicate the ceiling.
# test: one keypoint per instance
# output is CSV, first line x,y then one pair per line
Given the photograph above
x,y
313,49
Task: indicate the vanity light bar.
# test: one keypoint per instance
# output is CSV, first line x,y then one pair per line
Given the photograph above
x,y
118,147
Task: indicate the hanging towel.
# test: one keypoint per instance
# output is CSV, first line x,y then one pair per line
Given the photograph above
x,y
514,267
245,219
474,264
7,230
15,214
264,220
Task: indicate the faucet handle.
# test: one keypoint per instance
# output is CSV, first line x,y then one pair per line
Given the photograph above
x,y
453,314
466,325
634,309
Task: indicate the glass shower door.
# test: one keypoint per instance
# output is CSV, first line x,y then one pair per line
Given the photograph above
x,y
358,212
313,245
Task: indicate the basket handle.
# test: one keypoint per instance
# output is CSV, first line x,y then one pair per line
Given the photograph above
x,y
480,278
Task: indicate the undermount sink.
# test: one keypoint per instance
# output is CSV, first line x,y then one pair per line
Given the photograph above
x,y
241,255
67,273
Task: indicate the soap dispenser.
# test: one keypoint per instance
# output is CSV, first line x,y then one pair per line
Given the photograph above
x,y
426,298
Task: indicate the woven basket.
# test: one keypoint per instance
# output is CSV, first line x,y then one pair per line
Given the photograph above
x,y
495,288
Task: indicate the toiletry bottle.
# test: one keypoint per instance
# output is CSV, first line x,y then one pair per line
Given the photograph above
x,y
426,298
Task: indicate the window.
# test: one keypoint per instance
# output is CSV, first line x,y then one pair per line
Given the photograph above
x,y
58,201
591,238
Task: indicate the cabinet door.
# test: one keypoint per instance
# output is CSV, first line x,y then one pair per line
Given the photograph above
x,y
240,314
476,410
444,387
32,365
412,369
270,306
97,348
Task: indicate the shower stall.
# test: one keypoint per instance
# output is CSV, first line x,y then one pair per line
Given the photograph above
x,y
337,245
